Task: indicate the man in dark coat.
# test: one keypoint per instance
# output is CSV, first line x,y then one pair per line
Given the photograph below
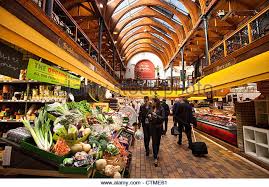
x,y
184,117
166,112
144,120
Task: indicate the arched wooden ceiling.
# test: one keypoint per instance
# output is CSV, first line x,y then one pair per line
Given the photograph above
x,y
147,19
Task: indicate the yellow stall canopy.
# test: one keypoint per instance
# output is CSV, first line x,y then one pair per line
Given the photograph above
x,y
196,98
254,69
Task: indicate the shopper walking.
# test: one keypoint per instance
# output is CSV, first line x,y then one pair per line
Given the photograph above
x,y
144,120
167,113
184,116
156,116
174,111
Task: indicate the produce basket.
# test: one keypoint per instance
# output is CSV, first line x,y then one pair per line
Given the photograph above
x,y
76,170
29,146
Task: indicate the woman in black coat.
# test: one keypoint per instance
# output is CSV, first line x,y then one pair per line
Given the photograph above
x,y
156,116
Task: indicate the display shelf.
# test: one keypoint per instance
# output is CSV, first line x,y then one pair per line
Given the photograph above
x,y
251,141
250,148
28,101
256,142
13,121
249,135
213,124
18,81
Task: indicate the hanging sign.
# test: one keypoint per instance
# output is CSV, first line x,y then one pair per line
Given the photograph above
x,y
10,61
44,73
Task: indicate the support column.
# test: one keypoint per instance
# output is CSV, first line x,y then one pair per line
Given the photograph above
x,y
101,26
49,7
172,82
183,66
120,70
113,61
206,40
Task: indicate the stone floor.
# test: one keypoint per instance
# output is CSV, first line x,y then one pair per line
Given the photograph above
x,y
178,162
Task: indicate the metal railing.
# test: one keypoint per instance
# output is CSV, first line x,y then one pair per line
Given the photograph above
x,y
256,28
151,84
64,20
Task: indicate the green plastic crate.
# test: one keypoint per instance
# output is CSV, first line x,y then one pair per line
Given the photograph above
x,y
76,170
28,146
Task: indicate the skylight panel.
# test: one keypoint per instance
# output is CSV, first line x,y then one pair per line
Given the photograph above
x,y
177,5
123,5
131,13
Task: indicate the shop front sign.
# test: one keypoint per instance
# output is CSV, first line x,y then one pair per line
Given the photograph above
x,y
44,73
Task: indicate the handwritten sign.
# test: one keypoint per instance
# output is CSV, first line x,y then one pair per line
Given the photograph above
x,y
10,61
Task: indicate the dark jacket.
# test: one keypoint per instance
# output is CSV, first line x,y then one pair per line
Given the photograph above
x,y
183,113
143,112
157,119
166,109
174,108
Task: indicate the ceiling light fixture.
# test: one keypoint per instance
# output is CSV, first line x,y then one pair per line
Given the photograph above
x,y
101,5
115,32
145,30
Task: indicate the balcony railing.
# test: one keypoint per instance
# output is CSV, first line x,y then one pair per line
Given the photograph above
x,y
152,84
256,28
64,20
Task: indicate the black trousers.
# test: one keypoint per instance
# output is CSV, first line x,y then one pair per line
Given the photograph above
x,y
187,131
146,131
156,140
165,124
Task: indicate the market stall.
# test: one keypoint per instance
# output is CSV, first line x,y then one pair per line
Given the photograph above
x,y
72,138
220,123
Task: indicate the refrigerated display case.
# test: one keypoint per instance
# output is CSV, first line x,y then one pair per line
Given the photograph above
x,y
218,123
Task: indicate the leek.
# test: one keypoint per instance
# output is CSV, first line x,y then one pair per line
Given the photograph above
x,y
41,131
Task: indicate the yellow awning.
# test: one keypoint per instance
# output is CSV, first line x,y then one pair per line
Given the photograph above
x,y
196,98
254,69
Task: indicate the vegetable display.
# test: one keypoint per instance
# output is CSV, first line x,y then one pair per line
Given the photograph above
x,y
87,136
41,131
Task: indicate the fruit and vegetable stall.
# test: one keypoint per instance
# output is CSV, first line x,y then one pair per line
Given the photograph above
x,y
70,139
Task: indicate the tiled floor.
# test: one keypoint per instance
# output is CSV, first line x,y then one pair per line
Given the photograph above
x,y
178,162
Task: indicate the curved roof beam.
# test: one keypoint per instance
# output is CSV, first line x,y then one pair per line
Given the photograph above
x,y
185,20
147,46
140,41
148,12
148,22
193,10
137,37
150,41
140,50
146,51
154,46
147,29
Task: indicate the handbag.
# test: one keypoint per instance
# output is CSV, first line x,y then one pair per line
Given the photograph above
x,y
174,131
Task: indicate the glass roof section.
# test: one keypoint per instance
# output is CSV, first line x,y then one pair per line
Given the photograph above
x,y
156,41
162,31
177,5
132,23
166,13
164,24
131,32
160,49
131,13
123,5
158,36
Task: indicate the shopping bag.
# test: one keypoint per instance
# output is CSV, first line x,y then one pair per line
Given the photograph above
x,y
139,135
174,131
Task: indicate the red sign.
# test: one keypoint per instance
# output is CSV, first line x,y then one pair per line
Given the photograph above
x,y
145,69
